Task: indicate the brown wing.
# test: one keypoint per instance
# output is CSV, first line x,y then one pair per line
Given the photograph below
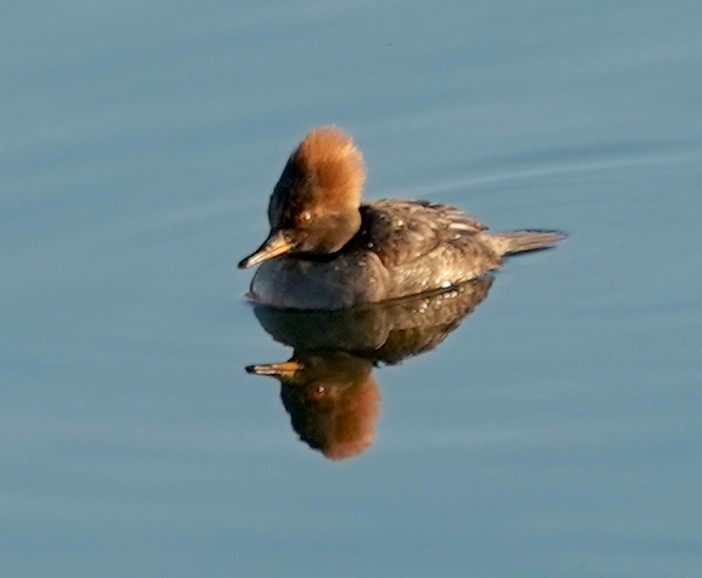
x,y
408,230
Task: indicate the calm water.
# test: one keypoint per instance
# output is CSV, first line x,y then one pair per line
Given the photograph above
x,y
556,432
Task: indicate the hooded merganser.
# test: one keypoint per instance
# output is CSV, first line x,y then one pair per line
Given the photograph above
x,y
328,251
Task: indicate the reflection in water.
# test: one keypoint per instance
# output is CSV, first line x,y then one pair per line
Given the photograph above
x,y
327,386
332,398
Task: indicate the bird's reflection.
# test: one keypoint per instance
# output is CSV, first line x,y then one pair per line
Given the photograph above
x,y
327,386
332,398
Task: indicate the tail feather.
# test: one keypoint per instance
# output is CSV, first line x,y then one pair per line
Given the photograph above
x,y
521,241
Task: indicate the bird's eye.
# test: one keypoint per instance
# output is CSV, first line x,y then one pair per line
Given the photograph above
x,y
318,392
304,218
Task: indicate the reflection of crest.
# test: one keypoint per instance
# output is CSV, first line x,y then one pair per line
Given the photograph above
x,y
332,398
327,386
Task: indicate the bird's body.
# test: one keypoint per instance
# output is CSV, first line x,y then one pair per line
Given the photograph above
x,y
328,251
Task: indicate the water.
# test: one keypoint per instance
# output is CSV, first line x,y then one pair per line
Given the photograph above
x,y
554,433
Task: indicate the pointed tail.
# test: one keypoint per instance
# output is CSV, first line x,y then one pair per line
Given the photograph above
x,y
521,241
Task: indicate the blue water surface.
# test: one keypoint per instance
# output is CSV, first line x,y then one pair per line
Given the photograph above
x,y
555,433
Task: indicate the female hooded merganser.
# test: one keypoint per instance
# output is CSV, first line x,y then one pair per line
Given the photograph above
x,y
326,250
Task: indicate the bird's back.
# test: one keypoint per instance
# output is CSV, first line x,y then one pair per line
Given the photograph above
x,y
425,245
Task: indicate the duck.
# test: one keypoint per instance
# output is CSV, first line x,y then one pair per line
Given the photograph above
x,y
327,250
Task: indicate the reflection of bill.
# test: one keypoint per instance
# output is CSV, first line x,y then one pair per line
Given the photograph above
x,y
327,386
